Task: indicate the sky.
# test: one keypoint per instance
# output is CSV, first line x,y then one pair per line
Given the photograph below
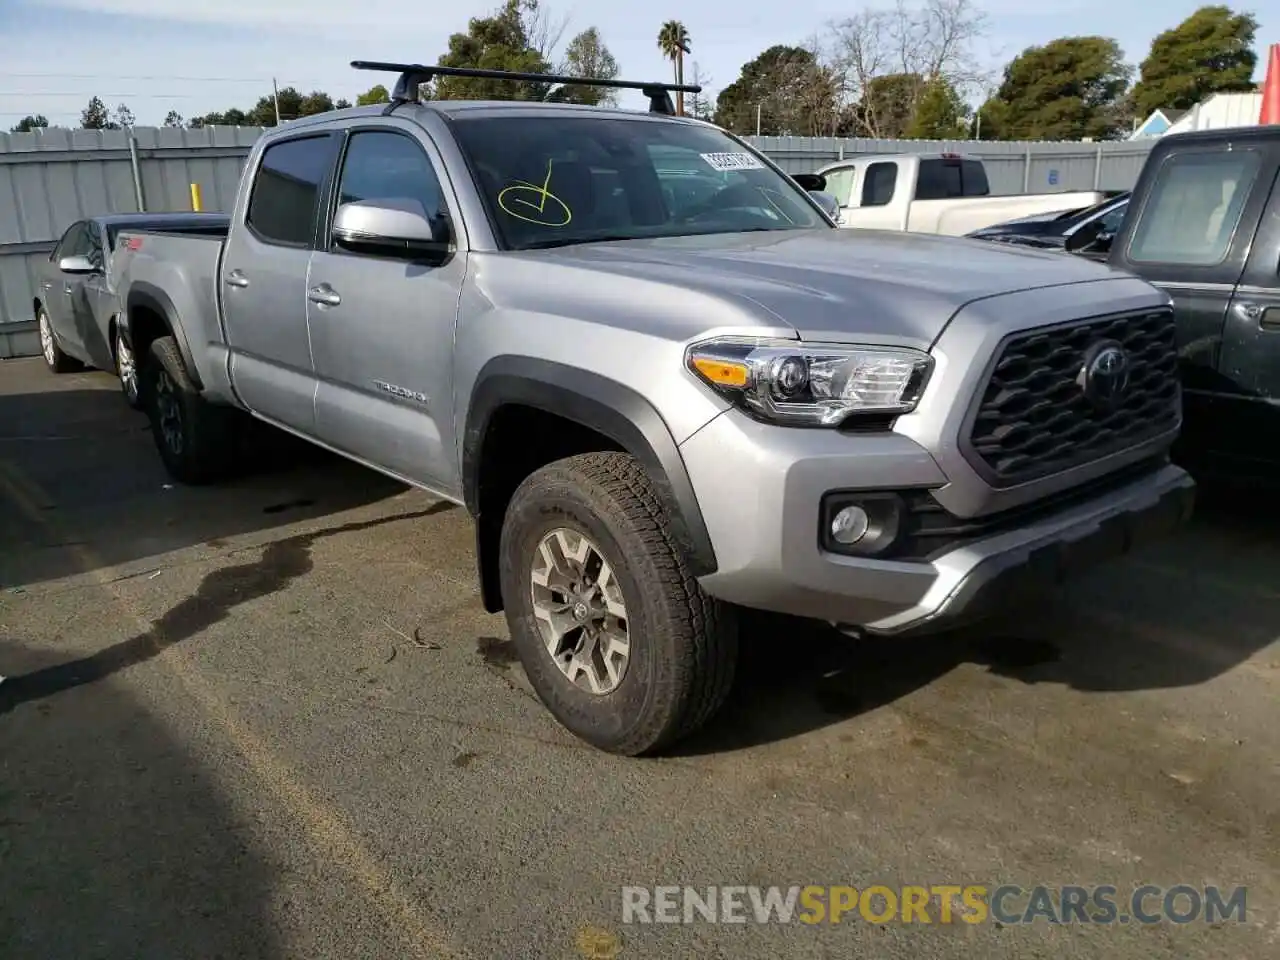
x,y
198,56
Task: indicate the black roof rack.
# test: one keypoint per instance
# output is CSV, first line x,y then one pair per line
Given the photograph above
x,y
413,75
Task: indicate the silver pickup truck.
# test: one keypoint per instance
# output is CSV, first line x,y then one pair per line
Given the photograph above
x,y
663,383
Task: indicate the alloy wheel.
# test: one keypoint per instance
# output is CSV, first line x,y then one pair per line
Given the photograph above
x,y
580,611
169,411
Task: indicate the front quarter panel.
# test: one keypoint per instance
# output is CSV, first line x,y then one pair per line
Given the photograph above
x,y
963,359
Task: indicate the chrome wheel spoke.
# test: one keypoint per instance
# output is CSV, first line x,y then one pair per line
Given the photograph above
x,y
580,611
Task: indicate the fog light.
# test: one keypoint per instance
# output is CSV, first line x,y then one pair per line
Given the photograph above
x,y
850,525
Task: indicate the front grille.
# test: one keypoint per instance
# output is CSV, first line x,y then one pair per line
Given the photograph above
x,y
1034,418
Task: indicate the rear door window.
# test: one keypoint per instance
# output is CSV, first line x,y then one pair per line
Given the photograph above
x,y
285,200
1193,208
945,178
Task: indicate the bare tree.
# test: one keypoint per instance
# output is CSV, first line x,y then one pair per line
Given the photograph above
x,y
701,105
544,29
887,56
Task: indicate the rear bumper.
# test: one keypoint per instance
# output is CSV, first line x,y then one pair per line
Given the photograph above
x,y
762,488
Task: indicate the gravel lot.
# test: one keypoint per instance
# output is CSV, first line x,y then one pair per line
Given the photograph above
x,y
270,719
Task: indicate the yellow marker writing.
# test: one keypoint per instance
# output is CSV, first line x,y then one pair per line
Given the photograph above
x,y
535,204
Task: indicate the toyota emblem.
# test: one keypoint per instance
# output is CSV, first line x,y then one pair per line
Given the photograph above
x,y
1104,375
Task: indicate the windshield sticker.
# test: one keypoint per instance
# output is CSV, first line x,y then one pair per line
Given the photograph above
x,y
535,204
732,161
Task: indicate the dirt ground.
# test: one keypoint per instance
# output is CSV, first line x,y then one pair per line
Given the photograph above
x,y
270,719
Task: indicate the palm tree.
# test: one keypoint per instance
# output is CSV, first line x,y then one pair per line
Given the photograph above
x,y
673,41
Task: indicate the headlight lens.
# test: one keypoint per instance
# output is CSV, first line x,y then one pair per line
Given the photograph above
x,y
786,381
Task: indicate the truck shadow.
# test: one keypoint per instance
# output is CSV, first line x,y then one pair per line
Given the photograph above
x,y
1177,614
80,479
114,842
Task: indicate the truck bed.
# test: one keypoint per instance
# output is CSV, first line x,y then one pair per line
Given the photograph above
x,y
177,271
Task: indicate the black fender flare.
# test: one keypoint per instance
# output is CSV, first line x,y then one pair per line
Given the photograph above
x,y
605,406
152,298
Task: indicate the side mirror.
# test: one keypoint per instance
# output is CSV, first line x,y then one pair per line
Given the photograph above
x,y
812,182
77,264
1094,239
397,227
829,204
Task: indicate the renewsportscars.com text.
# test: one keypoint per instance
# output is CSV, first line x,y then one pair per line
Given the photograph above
x,y
1007,904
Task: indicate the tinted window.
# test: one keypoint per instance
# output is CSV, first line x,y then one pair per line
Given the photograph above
x,y
388,166
283,206
878,184
840,184
75,242
942,179
1193,208
550,180
95,245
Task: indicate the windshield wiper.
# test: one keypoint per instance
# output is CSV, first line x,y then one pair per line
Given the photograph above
x,y
572,241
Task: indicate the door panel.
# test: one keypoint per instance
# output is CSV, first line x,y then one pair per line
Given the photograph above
x,y
263,281
1251,337
61,291
1191,237
88,303
382,327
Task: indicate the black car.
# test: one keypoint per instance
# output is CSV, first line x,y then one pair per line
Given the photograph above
x,y
1052,230
1205,227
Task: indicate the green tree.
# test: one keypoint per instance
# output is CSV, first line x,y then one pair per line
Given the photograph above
x,y
786,90
95,116
123,116
1068,89
887,106
375,94
673,41
940,113
587,56
1209,52
231,118
31,122
173,119
497,42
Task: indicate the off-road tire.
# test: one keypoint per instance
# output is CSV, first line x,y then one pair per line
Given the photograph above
x,y
204,451
54,358
684,644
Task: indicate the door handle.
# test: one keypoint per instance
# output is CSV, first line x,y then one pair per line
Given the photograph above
x,y
46,285
324,295
1266,317
67,291
237,279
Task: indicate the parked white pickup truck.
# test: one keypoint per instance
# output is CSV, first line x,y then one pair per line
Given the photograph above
x,y
943,193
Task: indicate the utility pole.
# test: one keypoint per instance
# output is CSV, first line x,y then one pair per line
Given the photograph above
x,y
275,96
759,106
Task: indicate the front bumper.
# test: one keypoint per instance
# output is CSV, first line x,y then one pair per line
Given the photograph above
x,y
760,488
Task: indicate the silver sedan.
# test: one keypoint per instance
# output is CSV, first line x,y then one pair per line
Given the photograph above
x,y
76,304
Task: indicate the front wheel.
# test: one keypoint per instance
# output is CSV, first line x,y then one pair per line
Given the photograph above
x,y
127,371
192,435
617,638
54,358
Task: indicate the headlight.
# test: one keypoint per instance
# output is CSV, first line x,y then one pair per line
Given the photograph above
x,y
786,381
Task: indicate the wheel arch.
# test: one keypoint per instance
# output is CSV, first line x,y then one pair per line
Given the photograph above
x,y
610,411
144,302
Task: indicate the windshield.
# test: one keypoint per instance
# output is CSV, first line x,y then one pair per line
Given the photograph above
x,y
556,180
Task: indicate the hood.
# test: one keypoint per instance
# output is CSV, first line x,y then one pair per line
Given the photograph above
x,y
834,284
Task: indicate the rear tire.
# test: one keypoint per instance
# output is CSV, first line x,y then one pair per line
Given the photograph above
x,y
632,589
193,436
54,358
